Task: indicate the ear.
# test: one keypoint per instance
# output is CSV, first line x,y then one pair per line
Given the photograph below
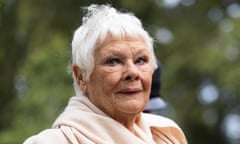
x,y
79,78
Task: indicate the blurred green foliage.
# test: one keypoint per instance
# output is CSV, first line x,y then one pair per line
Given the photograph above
x,y
197,42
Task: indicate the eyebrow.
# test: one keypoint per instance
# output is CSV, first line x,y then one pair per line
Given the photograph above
x,y
119,53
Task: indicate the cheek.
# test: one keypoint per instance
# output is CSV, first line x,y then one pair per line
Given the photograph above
x,y
147,78
105,80
111,80
147,82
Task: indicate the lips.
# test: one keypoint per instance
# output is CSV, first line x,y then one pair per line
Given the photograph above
x,y
130,91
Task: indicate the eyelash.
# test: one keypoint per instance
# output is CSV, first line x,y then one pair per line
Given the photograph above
x,y
114,61
142,59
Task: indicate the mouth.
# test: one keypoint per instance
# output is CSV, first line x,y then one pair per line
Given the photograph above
x,y
131,91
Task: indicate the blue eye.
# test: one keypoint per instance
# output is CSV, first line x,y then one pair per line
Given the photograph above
x,y
113,61
141,60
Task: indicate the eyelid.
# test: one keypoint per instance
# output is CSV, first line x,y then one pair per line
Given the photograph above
x,y
112,60
142,59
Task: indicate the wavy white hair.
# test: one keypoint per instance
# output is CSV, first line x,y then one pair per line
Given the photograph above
x,y
96,24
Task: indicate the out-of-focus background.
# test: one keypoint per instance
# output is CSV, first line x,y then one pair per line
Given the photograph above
x,y
197,42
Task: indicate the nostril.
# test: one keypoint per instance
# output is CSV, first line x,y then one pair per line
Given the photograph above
x,y
128,77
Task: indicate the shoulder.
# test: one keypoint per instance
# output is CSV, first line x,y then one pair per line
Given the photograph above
x,y
53,136
162,126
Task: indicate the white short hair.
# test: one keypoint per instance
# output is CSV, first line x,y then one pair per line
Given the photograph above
x,y
96,24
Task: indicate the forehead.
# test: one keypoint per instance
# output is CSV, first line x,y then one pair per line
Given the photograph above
x,y
117,43
111,38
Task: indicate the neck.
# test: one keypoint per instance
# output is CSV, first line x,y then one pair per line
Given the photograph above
x,y
128,121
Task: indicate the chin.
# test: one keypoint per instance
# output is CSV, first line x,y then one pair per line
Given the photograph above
x,y
133,109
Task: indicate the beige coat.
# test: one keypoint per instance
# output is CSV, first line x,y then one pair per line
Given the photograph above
x,y
83,123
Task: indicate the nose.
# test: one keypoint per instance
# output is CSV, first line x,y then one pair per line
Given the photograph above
x,y
131,72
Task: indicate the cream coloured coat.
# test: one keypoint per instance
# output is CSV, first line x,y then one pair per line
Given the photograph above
x,y
83,123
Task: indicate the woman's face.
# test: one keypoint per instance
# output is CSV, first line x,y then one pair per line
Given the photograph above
x,y
121,79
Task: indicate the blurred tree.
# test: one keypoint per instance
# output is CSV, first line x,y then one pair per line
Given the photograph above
x,y
13,47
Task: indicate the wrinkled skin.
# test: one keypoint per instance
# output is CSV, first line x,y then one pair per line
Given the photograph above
x,y
120,82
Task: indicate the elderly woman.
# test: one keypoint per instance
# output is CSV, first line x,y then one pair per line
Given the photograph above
x,y
112,63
